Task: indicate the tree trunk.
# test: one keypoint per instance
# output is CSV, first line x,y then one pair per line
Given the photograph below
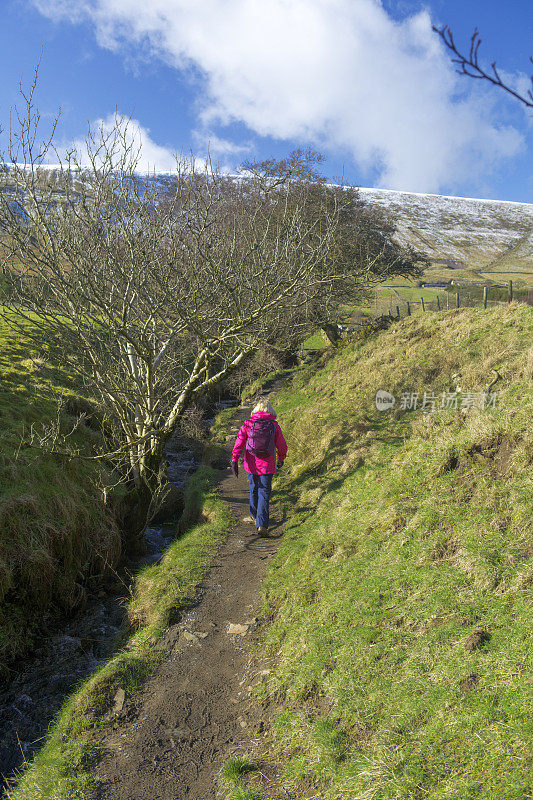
x,y
332,333
149,477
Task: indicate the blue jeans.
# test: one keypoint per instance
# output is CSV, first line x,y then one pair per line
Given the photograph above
x,y
260,488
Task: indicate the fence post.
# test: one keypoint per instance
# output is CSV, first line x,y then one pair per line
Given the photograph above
x,y
457,299
408,308
423,306
485,297
398,311
510,291
438,303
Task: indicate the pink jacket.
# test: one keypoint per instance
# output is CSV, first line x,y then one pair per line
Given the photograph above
x,y
254,464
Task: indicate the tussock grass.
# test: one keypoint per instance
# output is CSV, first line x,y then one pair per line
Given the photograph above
x,y
233,778
406,533
62,770
238,792
235,768
55,528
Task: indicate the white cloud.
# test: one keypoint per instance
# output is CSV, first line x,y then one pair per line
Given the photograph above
x,y
149,155
521,83
339,73
218,146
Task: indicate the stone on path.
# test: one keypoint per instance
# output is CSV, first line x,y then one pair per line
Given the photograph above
x,y
236,628
119,698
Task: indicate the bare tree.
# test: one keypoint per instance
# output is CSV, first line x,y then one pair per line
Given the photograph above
x,y
154,292
469,65
363,250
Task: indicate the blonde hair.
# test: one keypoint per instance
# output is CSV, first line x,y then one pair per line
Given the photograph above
x,y
265,406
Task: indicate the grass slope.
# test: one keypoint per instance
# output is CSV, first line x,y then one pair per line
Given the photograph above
x,y
406,534
55,528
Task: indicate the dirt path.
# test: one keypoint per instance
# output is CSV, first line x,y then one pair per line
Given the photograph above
x,y
170,741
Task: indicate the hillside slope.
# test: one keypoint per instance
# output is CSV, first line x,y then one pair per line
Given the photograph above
x,y
479,234
458,231
399,606
55,529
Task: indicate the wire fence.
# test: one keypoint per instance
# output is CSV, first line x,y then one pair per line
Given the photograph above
x,y
467,296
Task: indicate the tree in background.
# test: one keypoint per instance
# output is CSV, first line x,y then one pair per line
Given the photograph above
x,y
154,291
363,250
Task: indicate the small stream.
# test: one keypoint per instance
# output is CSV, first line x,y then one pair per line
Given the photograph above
x,y
70,650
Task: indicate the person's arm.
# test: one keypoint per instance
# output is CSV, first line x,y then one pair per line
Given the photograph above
x,y
281,445
238,447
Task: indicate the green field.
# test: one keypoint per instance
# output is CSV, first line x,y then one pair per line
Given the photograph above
x,y
390,296
519,278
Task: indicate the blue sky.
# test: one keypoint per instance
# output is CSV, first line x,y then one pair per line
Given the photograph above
x,y
364,82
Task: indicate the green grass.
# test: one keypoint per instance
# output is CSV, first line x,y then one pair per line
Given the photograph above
x,y
236,768
388,300
55,527
317,341
63,769
405,532
218,430
239,792
256,387
389,297
409,293
519,278
233,778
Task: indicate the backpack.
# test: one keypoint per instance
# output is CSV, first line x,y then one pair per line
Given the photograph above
x,y
261,439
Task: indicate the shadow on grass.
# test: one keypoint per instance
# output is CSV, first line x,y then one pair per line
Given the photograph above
x,y
379,430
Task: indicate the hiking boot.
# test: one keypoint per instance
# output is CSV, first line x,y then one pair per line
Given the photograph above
x,y
262,531
249,519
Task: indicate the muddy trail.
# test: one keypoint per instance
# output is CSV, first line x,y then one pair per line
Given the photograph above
x,y
169,742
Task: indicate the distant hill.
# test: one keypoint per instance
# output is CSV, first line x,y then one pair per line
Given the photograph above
x,y
491,237
462,233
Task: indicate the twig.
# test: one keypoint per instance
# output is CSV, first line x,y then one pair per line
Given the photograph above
x,y
469,64
21,750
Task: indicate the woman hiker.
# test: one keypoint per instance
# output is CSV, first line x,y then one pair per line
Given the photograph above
x,y
260,437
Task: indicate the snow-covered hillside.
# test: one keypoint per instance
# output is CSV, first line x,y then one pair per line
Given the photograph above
x,y
480,234
455,232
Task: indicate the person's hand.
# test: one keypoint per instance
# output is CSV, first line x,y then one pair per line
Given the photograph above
x,y
279,466
235,468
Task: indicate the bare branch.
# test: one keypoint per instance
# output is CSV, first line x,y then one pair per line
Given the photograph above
x,y
154,290
469,65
